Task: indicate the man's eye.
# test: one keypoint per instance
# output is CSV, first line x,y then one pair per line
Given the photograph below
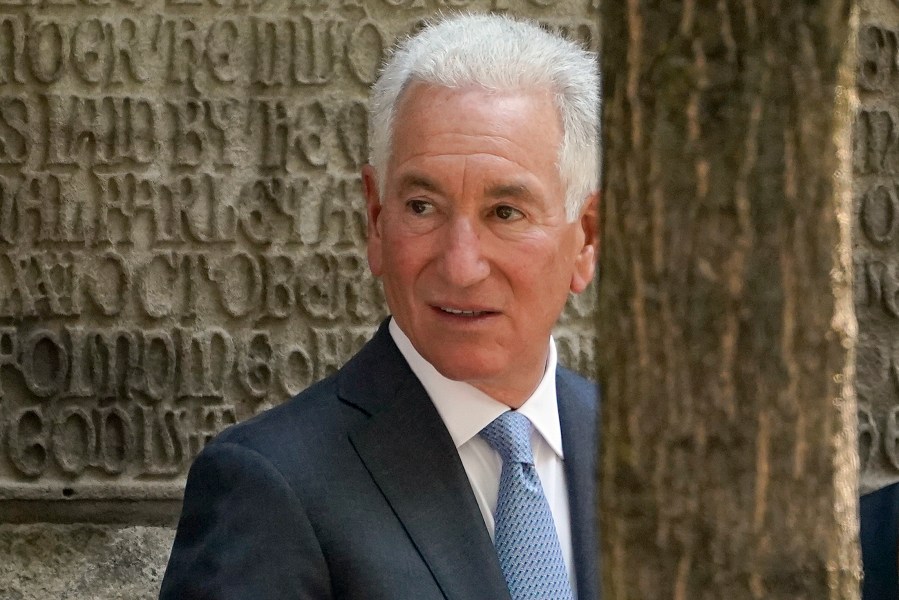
x,y
419,207
507,213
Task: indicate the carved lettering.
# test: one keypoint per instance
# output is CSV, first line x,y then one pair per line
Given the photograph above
x,y
277,210
28,439
879,286
106,131
156,285
315,49
97,51
159,364
365,49
31,208
879,213
116,437
876,138
318,286
15,121
146,365
107,52
352,130
255,370
210,420
48,49
166,440
115,363
207,361
877,58
88,42
185,51
221,44
333,346
201,131
74,440
105,439
239,279
295,370
44,363
291,132
200,57
279,291
109,286
188,208
295,51
39,284
82,376
12,50
9,351
334,285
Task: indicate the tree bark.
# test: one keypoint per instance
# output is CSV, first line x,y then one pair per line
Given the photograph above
x,y
729,464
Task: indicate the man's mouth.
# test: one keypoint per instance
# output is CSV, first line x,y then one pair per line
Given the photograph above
x,y
465,313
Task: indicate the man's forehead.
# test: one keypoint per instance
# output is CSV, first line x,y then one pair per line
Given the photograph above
x,y
509,138
427,111
492,187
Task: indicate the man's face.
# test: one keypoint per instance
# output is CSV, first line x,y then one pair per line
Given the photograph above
x,y
471,239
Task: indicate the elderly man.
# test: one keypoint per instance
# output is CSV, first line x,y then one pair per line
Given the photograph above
x,y
451,457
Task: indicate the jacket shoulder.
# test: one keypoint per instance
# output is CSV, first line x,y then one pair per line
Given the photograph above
x,y
879,513
298,426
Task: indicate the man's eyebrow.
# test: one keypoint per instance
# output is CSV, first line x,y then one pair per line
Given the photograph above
x,y
510,190
415,181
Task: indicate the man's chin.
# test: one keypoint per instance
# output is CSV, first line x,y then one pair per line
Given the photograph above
x,y
470,368
483,372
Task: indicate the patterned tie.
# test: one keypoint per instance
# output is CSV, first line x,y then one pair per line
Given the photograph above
x,y
525,536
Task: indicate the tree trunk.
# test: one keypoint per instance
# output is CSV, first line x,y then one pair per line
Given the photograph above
x,y
729,466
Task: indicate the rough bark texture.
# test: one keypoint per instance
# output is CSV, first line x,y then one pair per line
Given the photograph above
x,y
729,462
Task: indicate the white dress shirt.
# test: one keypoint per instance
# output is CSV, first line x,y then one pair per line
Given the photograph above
x,y
466,410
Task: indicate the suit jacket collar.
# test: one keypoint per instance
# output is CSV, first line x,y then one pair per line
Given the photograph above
x,y
413,460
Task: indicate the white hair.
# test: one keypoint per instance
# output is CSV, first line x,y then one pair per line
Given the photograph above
x,y
499,53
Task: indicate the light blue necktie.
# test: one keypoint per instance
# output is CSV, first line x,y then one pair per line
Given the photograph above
x,y
525,534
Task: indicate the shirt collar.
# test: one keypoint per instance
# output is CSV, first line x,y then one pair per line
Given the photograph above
x,y
466,410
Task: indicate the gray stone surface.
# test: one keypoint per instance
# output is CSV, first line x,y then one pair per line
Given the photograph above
x,y
81,562
181,246
876,242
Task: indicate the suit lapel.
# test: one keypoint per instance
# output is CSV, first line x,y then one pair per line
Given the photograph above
x,y
412,458
578,420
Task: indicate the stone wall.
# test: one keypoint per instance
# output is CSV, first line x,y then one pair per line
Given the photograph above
x,y
181,246
876,243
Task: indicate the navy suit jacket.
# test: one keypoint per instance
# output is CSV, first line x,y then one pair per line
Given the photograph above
x,y
354,489
879,531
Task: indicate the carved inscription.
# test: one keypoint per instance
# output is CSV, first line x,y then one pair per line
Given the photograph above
x,y
182,229
876,229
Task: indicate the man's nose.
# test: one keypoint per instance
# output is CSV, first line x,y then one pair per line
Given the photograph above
x,y
462,260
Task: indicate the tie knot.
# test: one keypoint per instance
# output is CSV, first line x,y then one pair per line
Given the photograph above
x,y
510,435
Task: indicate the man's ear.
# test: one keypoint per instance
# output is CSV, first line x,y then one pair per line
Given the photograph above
x,y
585,261
373,214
